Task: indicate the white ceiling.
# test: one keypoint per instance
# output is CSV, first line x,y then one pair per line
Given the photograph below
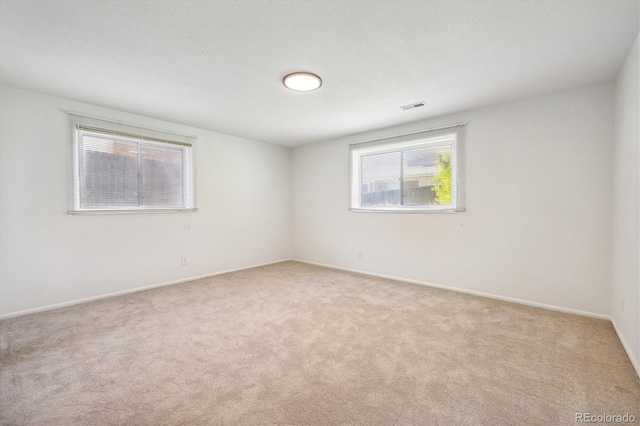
x,y
218,65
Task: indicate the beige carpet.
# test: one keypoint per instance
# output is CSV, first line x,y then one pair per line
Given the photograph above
x,y
303,345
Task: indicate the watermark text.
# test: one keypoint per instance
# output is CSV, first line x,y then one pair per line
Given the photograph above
x,y
605,418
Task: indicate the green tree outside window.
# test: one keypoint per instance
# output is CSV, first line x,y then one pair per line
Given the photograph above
x,y
442,179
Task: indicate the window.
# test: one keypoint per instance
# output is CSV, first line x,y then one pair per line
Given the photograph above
x,y
122,168
421,172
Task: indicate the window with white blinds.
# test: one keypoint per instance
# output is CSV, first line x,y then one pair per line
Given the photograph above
x,y
122,168
421,172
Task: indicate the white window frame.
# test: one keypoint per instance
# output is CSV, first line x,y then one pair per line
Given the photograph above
x,y
140,136
447,136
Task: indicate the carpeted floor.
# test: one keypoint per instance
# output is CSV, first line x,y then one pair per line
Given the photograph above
x,y
298,344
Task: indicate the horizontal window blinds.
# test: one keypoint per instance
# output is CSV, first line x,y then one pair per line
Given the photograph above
x,y
125,168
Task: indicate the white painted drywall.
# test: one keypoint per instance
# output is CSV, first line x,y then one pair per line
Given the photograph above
x,y
538,224
626,193
49,257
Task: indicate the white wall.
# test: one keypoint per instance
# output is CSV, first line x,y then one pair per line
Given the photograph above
x,y
48,257
538,220
626,193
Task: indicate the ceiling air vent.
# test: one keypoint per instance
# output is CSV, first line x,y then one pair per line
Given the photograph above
x,y
412,106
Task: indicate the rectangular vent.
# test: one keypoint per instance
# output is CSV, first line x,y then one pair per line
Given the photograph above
x,y
412,106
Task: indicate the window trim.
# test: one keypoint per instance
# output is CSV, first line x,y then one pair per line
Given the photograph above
x,y
141,136
402,143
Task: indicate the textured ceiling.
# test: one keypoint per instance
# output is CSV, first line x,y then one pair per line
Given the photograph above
x,y
218,65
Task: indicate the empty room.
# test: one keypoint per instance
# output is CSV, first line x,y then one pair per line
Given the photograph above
x,y
319,212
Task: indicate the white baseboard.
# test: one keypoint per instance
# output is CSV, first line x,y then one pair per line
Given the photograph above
x,y
133,290
627,348
472,292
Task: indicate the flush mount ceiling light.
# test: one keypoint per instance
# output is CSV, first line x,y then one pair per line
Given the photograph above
x,y
302,81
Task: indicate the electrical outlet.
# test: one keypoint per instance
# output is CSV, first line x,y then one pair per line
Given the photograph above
x,y
360,254
184,260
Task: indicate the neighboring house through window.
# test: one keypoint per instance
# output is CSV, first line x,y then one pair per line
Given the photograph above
x,y
420,172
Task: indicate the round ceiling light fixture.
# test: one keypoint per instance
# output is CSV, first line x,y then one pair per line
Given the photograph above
x,y
302,81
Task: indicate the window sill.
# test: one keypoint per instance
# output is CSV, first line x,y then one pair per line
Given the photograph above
x,y
416,210
132,211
